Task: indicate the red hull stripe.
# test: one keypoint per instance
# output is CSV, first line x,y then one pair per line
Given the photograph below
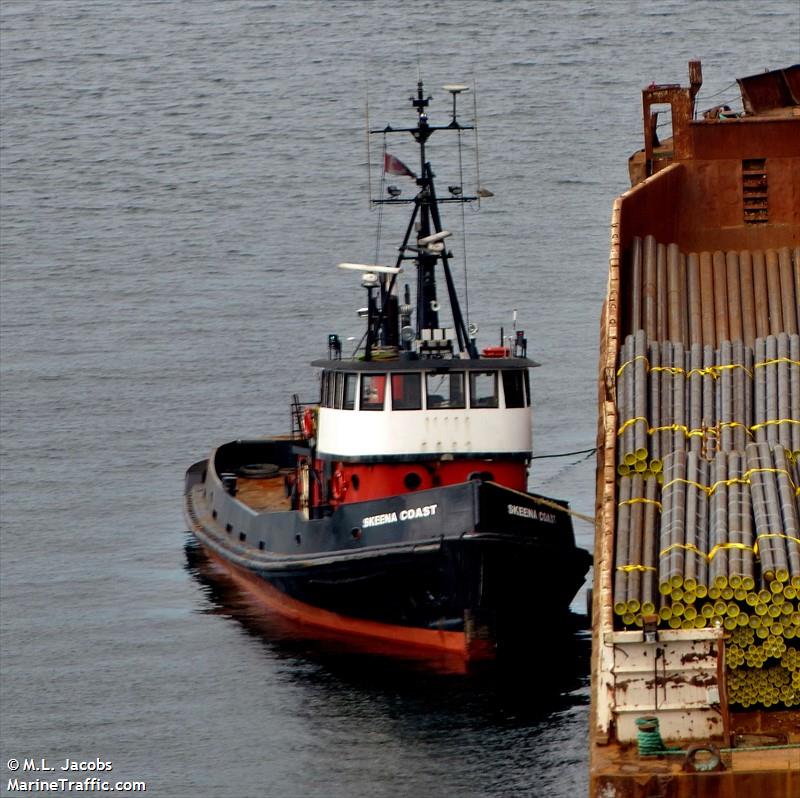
x,y
298,611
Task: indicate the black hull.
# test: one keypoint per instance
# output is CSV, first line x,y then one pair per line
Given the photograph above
x,y
473,568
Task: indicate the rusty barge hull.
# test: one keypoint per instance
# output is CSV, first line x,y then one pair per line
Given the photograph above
x,y
723,183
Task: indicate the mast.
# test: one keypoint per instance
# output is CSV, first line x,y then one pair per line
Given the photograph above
x,y
429,249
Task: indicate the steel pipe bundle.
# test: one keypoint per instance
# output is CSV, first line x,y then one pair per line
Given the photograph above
x,y
694,387
740,525
635,556
672,535
776,515
632,403
622,539
712,392
794,388
711,297
719,523
777,391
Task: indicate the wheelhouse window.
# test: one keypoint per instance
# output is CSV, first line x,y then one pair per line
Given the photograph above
x,y
349,402
373,390
445,390
406,392
514,388
328,389
339,390
483,389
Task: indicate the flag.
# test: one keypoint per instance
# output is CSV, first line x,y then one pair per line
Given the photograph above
x,y
394,166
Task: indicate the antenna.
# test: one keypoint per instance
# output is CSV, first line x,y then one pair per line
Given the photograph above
x,y
432,239
366,267
475,125
369,159
455,89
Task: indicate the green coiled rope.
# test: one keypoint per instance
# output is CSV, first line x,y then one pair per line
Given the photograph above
x,y
648,737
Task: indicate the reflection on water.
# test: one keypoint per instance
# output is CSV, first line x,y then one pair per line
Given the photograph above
x,y
544,682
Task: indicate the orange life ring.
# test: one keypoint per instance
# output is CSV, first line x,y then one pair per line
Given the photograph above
x,y
308,423
496,351
338,485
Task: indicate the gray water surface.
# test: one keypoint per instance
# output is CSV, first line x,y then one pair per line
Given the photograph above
x,y
179,180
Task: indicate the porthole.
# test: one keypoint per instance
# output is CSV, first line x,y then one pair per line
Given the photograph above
x,y
261,545
412,480
356,533
242,536
355,481
228,528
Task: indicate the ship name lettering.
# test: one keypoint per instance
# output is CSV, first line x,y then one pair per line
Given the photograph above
x,y
379,520
426,511
529,512
418,512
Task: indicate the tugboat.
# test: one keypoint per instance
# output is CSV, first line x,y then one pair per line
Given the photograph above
x,y
396,510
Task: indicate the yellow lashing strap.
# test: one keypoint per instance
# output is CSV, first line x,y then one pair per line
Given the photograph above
x,y
716,371
710,556
687,546
774,421
670,369
774,535
774,361
685,482
630,362
640,501
629,568
629,422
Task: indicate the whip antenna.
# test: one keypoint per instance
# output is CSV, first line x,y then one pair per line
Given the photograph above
x,y
475,125
369,160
